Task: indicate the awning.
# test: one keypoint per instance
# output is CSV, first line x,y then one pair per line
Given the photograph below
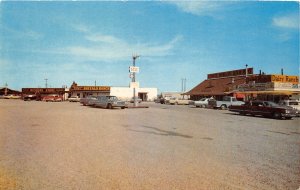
x,y
277,92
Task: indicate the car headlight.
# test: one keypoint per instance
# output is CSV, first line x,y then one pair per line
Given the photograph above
x,y
287,111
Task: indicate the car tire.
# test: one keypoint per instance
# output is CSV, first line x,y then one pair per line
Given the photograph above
x,y
123,107
223,107
109,106
276,115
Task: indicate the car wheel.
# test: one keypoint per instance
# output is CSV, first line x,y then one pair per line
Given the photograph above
x,y
109,106
276,115
123,107
223,107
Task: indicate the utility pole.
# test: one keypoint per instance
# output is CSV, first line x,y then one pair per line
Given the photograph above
x,y
46,83
246,70
134,57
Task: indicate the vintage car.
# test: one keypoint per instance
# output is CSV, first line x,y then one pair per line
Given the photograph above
x,y
108,102
11,96
202,103
292,103
225,103
176,101
264,108
52,98
29,97
87,100
74,99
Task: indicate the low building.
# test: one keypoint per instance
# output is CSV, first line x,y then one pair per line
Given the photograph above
x,y
7,91
41,92
220,84
84,91
123,93
126,93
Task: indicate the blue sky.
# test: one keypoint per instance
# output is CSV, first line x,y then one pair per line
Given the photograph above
x,y
88,41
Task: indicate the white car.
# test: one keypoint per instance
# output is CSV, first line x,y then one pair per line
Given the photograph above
x,y
202,103
74,99
176,101
292,103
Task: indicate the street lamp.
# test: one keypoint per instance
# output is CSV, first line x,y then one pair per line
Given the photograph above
x,y
134,57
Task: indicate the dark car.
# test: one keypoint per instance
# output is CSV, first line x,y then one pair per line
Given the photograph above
x,y
29,97
86,101
264,108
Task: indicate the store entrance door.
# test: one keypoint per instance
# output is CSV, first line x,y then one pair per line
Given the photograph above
x,y
143,96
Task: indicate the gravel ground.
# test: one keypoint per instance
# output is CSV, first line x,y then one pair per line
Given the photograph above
x,y
68,146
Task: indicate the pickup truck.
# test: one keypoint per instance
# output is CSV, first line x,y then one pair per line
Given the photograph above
x,y
264,108
227,101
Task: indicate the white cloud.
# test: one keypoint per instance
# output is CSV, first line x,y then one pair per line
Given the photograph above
x,y
290,21
200,7
110,48
81,28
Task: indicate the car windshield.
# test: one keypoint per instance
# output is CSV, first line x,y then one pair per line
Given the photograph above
x,y
203,99
112,98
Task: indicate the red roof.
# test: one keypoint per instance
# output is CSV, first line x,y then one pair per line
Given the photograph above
x,y
217,86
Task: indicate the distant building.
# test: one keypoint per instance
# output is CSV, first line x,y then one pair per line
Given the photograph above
x,y
220,84
7,91
41,92
123,93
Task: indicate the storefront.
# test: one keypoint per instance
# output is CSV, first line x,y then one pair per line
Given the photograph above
x,y
270,87
84,91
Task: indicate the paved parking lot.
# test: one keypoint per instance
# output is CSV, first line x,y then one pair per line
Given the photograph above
x,y
68,146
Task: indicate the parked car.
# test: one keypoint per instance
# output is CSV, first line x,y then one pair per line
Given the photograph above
x,y
29,97
137,99
293,103
203,103
109,102
264,108
176,101
52,98
85,101
74,99
225,103
11,96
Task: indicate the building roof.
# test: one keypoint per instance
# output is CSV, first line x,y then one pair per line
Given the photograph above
x,y
217,86
8,91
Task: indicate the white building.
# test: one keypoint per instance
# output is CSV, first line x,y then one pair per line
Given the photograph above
x,y
126,93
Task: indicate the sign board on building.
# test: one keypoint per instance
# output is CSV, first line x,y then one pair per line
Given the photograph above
x,y
90,88
42,90
134,85
134,69
285,79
